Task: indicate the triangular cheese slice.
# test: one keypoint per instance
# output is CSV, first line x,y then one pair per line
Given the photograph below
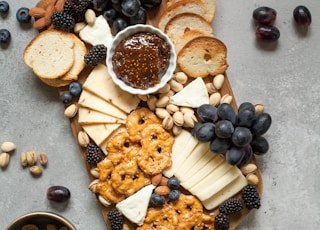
x,y
88,116
91,101
101,84
193,95
99,132
135,207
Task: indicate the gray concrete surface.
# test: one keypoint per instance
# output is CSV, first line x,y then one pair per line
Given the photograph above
x,y
283,76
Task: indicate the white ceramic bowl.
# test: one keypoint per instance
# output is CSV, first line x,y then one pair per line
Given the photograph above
x,y
131,30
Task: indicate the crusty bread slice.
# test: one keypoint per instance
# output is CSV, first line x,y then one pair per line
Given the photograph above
x,y
50,54
79,50
210,6
186,37
203,56
183,6
184,22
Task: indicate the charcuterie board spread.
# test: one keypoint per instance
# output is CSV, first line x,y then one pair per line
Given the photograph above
x,y
182,157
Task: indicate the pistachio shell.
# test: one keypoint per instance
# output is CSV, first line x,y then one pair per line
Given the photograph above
x,y
4,160
83,139
162,113
162,102
175,86
90,17
249,168
215,99
104,201
165,89
180,77
210,88
259,108
8,146
176,130
71,111
218,81
171,108
167,123
252,179
178,118
226,99
151,102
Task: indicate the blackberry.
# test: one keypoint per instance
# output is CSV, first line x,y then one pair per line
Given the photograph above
x,y
251,197
97,54
231,206
77,8
93,154
62,21
221,222
115,219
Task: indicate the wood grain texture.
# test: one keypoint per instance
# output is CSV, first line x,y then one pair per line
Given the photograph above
x,y
153,17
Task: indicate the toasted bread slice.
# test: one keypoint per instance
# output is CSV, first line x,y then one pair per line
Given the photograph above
x,y
203,56
210,6
183,6
186,37
50,54
184,22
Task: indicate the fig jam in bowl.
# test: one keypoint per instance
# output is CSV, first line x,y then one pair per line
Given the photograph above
x,y
141,59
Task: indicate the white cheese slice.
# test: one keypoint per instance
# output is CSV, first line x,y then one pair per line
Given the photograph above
x,y
135,206
98,33
88,116
93,102
191,160
183,144
217,185
100,132
205,171
226,193
193,95
101,84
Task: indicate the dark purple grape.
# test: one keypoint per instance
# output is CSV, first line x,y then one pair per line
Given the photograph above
x,y
130,7
259,145
302,16
195,128
264,15
119,24
148,4
261,124
246,106
157,199
226,112
235,155
219,145
247,156
139,18
58,194
205,132
99,5
246,117
207,113
267,33
224,129
241,136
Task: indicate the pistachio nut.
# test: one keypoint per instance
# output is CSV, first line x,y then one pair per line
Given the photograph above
x,y
175,86
35,170
162,113
43,158
32,158
143,97
176,130
178,118
8,146
78,27
93,185
215,99
167,122
226,99
95,172
171,108
4,160
218,81
180,77
189,120
151,102
83,139
210,88
165,89
23,159
71,111
103,201
90,17
162,101
185,110
252,179
248,168
259,108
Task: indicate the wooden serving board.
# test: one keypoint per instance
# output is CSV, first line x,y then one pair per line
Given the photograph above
x,y
153,17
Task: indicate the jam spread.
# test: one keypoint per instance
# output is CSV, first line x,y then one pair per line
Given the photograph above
x,y
141,60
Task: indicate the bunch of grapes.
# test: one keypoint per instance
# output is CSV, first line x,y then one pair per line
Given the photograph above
x,y
239,134
123,13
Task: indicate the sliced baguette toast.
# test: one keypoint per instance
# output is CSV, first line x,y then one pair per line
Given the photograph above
x,y
184,22
203,56
50,54
183,6
188,36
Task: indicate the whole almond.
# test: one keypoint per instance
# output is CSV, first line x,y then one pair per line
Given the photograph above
x,y
32,158
4,160
43,158
156,179
37,12
39,23
8,146
83,139
162,190
23,159
164,181
35,170
59,6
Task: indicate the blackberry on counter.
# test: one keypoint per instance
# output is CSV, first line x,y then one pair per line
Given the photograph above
x,y
115,219
62,21
231,206
251,197
93,154
221,222
97,54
